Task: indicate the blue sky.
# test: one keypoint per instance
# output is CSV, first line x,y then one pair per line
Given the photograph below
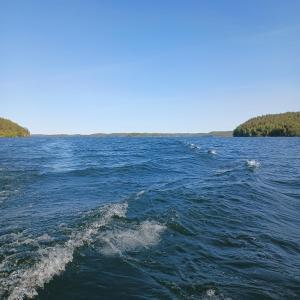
x,y
147,66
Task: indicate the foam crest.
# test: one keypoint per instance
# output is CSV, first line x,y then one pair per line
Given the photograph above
x,y
193,146
140,193
211,294
24,283
252,163
116,242
212,151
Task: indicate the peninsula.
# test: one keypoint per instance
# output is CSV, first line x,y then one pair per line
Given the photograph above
x,y
12,129
285,124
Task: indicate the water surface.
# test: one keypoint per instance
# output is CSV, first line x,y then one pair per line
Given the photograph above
x,y
149,218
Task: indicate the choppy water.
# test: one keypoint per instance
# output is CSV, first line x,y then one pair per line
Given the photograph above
x,y
150,218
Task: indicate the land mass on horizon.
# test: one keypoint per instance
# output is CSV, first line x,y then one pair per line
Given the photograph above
x,y
145,134
9,128
284,124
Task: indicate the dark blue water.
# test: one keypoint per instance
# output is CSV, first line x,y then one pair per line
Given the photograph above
x,y
150,218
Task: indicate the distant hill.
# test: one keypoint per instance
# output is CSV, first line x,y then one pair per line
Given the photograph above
x,y
285,124
146,134
158,134
221,133
11,129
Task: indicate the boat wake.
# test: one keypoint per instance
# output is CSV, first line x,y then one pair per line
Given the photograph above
x,y
23,283
116,242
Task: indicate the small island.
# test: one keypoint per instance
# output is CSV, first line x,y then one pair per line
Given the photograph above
x,y
12,129
285,124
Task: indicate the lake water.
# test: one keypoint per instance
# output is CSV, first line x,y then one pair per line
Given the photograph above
x,y
149,218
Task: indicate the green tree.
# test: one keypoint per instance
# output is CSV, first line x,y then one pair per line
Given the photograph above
x,y
285,124
11,129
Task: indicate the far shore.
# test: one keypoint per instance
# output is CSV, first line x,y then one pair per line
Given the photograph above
x,y
140,134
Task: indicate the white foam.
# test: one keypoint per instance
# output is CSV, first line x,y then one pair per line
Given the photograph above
x,y
140,193
252,163
210,294
193,146
44,237
116,242
15,240
24,283
4,195
212,151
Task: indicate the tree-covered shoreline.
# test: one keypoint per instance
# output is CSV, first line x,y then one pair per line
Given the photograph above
x,y
9,128
284,124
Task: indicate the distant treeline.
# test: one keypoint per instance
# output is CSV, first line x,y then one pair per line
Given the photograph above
x,y
144,134
286,124
157,134
220,133
11,129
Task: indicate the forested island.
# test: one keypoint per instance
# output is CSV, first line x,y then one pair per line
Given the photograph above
x,y
12,129
285,124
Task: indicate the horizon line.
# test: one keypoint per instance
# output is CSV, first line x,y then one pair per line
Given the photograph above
x,y
136,133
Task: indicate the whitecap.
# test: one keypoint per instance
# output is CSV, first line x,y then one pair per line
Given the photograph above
x,y
44,237
193,146
252,163
140,193
23,283
212,151
211,294
116,242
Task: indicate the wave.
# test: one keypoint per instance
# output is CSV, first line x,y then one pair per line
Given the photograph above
x,y
96,170
140,193
24,283
194,290
252,164
7,193
116,242
212,151
220,172
211,294
193,146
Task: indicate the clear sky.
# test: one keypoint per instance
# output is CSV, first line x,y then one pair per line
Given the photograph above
x,y
148,66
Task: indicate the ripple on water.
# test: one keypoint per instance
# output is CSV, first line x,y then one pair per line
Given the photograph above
x,y
199,225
